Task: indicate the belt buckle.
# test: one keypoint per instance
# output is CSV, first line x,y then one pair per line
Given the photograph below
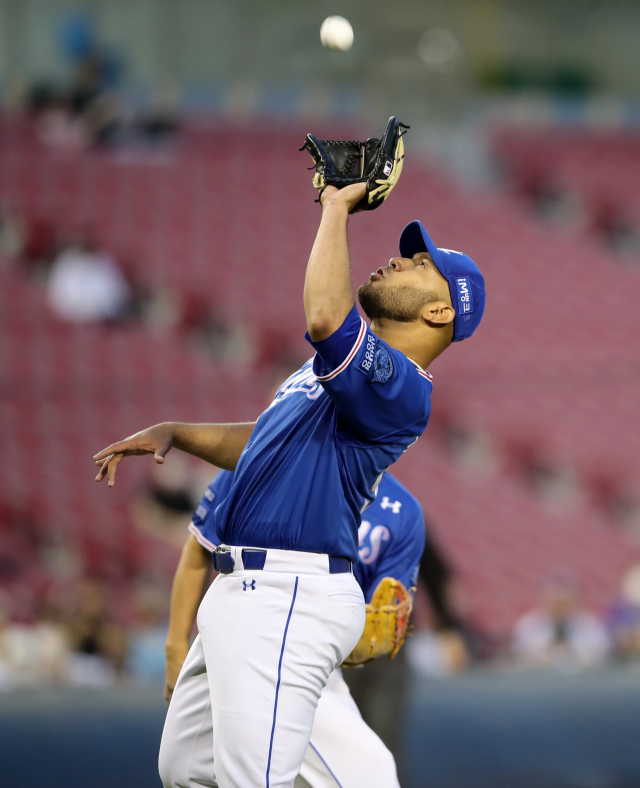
x,y
223,560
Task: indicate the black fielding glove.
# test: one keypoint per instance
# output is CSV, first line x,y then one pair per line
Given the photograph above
x,y
378,163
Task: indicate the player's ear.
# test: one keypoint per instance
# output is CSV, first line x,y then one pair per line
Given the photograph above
x,y
438,313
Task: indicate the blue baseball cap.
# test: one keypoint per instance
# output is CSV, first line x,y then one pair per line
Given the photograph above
x,y
466,283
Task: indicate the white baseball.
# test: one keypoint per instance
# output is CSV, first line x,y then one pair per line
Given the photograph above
x,y
336,33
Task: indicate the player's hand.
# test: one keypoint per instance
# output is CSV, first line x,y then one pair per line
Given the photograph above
x,y
176,656
349,196
154,440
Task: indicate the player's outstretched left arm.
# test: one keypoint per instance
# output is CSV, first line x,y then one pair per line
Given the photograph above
x,y
328,289
219,444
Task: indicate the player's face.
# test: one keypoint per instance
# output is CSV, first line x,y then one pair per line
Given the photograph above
x,y
419,271
400,290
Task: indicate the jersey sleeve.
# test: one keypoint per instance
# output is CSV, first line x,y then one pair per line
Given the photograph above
x,y
377,389
202,522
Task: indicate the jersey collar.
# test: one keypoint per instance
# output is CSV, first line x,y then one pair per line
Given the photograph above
x,y
424,372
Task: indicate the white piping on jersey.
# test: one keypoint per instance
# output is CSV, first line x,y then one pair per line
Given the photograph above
x,y
423,372
201,539
350,357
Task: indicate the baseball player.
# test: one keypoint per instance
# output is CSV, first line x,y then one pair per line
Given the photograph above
x,y
286,609
343,750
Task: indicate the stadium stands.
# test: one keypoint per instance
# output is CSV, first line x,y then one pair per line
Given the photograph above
x,y
550,377
603,167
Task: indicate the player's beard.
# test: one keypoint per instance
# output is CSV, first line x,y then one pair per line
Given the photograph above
x,y
391,302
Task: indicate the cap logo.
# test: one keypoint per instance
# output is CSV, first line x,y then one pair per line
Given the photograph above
x,y
465,298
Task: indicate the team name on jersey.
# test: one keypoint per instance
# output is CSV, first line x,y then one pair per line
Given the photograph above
x,y
369,353
303,382
201,512
370,541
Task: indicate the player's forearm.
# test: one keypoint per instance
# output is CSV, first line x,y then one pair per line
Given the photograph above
x,y
328,290
219,444
189,586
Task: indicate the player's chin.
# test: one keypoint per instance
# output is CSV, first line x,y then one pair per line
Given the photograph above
x,y
369,295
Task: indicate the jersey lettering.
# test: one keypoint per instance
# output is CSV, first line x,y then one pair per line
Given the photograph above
x,y
303,382
371,540
201,511
369,354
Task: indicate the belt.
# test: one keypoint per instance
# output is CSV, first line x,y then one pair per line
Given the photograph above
x,y
255,559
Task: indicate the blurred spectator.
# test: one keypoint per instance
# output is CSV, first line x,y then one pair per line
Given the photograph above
x,y
98,643
60,557
559,633
162,120
86,285
436,654
86,112
552,201
24,240
619,233
8,678
92,104
12,233
32,654
624,616
146,658
57,126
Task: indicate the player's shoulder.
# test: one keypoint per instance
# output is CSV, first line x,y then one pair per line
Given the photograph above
x,y
389,485
220,486
392,528
396,505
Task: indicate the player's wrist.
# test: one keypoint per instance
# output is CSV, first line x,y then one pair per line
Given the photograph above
x,y
176,647
335,204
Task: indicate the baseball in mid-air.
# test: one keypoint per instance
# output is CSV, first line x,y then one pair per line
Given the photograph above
x,y
336,33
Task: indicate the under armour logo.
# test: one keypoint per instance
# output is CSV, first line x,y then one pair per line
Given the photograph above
x,y
251,585
395,506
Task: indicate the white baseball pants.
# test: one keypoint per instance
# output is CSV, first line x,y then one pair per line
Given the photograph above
x,y
269,640
343,751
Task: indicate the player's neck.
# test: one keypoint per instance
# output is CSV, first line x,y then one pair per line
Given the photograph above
x,y
410,339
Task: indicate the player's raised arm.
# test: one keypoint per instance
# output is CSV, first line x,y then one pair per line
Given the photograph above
x,y
219,444
328,289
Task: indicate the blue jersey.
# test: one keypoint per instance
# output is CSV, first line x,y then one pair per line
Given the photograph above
x,y
391,536
317,453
